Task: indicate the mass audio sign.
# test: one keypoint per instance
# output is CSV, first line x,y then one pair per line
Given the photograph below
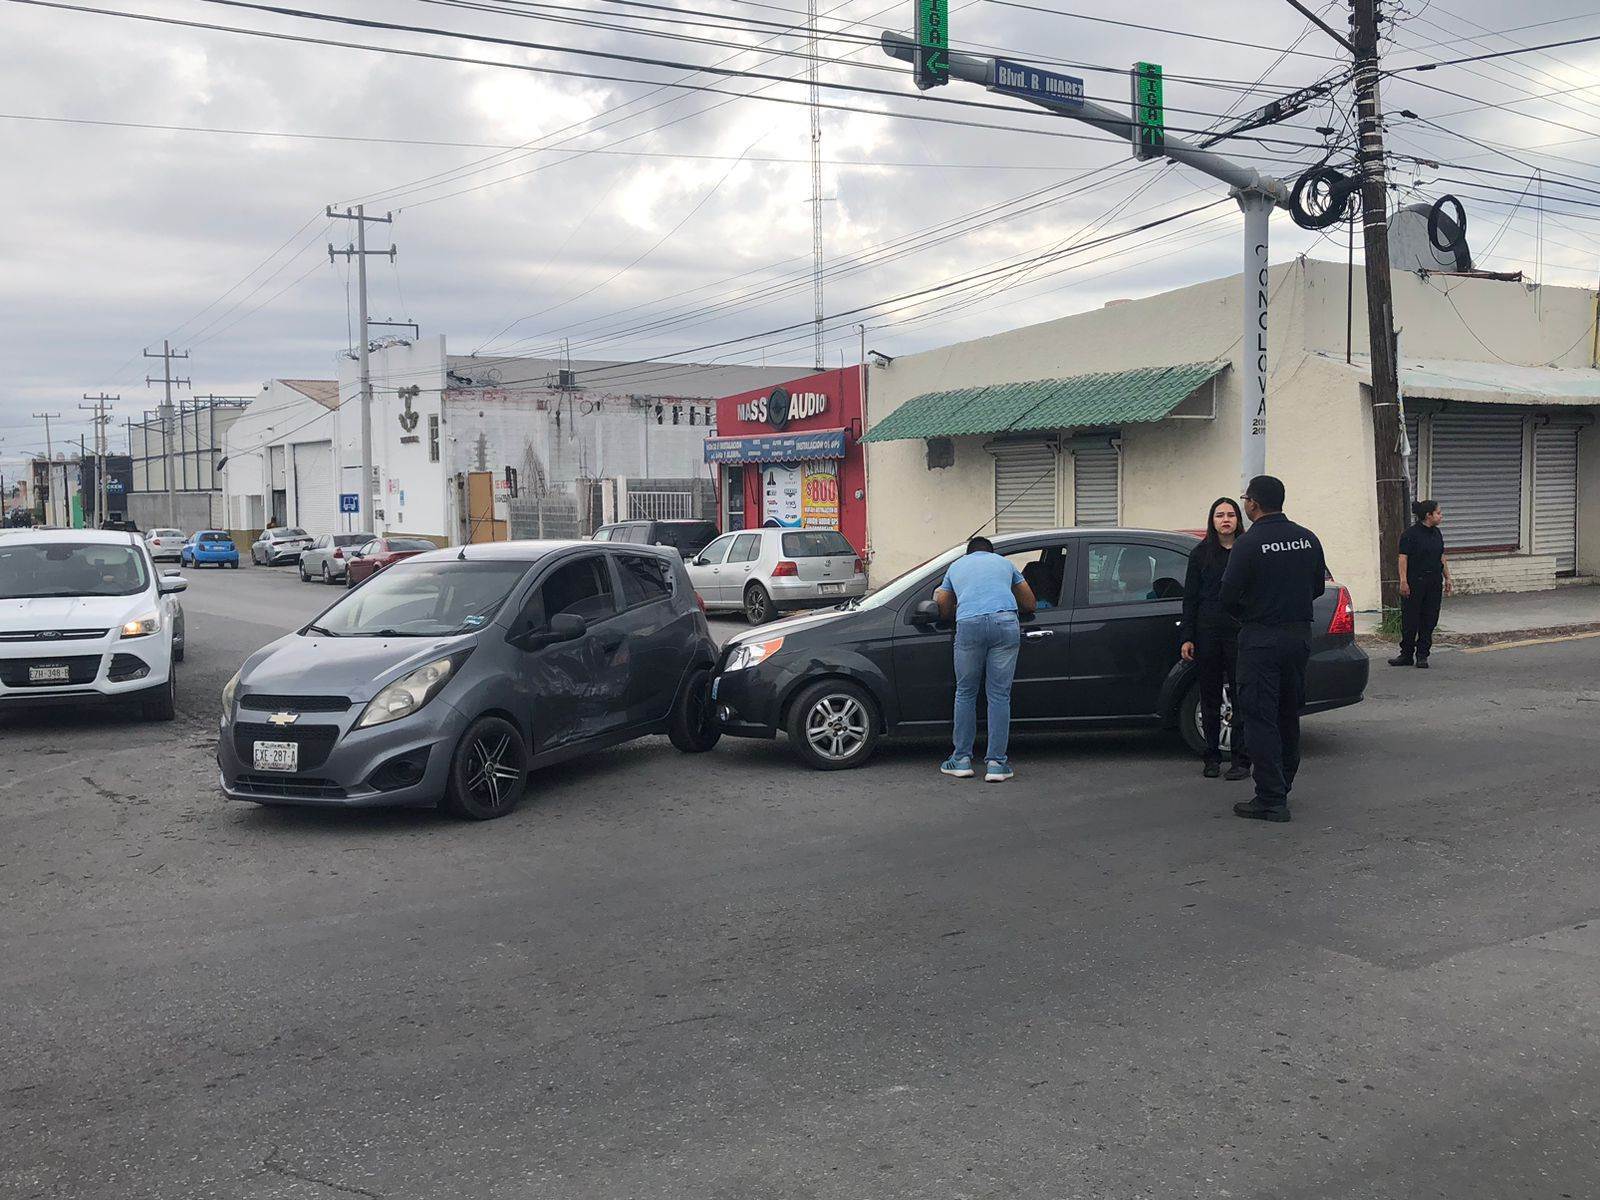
x,y
778,407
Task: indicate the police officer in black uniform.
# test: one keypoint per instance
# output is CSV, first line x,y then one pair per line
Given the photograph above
x,y
1275,572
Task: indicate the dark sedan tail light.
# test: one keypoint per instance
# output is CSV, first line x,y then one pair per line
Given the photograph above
x,y
785,570
1344,615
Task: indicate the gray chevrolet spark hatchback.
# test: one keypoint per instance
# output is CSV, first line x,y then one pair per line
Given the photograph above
x,y
448,677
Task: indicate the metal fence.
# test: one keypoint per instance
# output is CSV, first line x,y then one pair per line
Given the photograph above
x,y
660,506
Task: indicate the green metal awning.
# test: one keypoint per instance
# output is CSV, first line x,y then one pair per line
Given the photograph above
x,y
1113,398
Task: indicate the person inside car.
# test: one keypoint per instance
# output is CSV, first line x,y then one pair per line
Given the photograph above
x,y
1036,575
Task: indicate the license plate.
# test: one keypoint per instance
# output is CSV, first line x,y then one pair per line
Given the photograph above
x,y
830,589
62,674
277,756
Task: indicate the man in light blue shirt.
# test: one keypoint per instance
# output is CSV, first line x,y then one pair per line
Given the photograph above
x,y
987,596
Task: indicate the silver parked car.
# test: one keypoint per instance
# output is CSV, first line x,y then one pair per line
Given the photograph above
x,y
329,556
276,546
165,543
762,572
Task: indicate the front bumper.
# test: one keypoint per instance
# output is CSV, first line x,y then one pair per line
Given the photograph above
x,y
749,703
91,665
343,778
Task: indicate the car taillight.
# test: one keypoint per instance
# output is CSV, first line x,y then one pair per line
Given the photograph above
x,y
701,601
338,553
785,570
1344,615
860,567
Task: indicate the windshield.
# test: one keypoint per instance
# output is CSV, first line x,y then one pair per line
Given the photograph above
x,y
817,543
434,599
901,584
66,569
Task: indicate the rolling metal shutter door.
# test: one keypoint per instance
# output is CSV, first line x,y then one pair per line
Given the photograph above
x,y
1477,479
313,483
275,471
1555,495
1094,485
1024,487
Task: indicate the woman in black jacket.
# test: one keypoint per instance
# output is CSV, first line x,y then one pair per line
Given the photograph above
x,y
1211,637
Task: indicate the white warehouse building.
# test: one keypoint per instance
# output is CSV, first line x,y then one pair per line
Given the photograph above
x,y
278,460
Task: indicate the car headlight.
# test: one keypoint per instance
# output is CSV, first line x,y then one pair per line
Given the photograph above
x,y
142,626
404,696
748,654
228,690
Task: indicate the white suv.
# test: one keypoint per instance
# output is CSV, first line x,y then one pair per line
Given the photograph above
x,y
85,616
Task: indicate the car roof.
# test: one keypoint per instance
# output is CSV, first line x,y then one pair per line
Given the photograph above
x,y
90,537
529,551
1086,531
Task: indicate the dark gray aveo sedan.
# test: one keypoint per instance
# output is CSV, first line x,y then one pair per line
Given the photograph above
x,y
448,677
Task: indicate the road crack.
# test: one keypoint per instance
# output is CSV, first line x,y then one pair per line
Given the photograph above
x,y
278,1167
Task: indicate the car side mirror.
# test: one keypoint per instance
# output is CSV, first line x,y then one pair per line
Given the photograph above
x,y
567,627
925,612
168,584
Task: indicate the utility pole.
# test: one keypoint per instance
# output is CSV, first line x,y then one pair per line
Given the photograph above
x,y
102,447
1389,470
359,252
812,67
49,458
167,413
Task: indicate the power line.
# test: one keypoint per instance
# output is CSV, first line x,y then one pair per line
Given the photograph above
x,y
1456,62
1183,33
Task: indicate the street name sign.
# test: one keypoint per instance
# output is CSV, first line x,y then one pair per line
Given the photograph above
x,y
1031,83
1149,111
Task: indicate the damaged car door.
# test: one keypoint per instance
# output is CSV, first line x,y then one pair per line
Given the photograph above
x,y
576,682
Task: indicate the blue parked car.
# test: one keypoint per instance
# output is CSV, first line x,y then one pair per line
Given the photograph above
x,y
210,546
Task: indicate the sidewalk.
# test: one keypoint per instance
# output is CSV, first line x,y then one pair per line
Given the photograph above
x,y
1493,617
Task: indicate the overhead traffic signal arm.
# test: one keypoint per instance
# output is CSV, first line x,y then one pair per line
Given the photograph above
x,y
974,68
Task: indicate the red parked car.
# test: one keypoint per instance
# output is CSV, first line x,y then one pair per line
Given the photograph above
x,y
366,561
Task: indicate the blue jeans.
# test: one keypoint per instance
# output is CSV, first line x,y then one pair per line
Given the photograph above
x,y
986,649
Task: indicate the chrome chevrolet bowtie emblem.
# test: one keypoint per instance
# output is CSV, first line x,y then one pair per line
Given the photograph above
x,y
284,718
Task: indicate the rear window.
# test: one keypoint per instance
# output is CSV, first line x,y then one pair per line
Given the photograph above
x,y
351,539
644,579
289,533
816,543
215,537
686,535
410,544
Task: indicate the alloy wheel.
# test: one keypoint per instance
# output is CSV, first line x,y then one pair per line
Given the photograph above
x,y
836,726
493,768
1225,734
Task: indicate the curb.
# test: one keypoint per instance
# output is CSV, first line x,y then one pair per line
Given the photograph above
x,y
1374,640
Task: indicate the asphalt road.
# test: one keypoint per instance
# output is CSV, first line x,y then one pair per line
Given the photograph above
x,y
728,978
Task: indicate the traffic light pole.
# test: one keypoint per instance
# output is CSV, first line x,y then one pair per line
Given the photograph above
x,y
1256,194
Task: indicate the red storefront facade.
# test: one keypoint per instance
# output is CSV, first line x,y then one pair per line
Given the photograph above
x,y
791,456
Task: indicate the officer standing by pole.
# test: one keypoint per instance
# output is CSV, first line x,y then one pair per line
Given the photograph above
x,y
1275,572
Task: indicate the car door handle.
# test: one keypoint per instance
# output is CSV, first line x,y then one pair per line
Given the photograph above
x,y
1039,633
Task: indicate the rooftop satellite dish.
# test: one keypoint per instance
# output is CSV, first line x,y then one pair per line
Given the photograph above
x,y
1430,237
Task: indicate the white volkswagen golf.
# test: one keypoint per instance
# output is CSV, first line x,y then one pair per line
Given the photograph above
x,y
85,616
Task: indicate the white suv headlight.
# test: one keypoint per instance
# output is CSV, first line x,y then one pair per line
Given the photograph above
x,y
142,626
404,696
748,654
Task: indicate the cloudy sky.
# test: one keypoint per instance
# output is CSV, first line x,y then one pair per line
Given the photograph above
x,y
154,190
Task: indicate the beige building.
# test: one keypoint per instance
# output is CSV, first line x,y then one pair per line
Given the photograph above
x,y
1130,415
